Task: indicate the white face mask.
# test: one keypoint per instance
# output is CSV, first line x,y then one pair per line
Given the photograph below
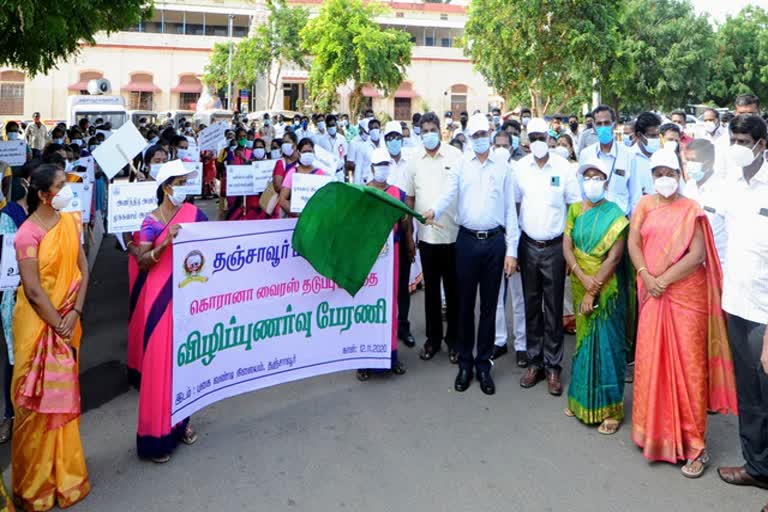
x,y
741,156
381,173
594,189
259,153
562,151
154,169
671,145
665,186
275,154
710,127
540,149
502,154
77,142
183,154
178,196
287,148
306,159
63,198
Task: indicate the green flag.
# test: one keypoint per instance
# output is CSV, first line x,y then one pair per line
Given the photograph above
x,y
343,228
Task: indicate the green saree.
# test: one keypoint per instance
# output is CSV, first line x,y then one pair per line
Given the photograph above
x,y
596,391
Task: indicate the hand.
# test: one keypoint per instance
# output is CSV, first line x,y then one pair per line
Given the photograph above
x,y
429,217
654,287
591,285
587,304
510,266
66,327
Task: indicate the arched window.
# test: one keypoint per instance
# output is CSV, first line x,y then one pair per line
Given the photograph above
x,y
458,99
11,93
81,86
189,90
141,92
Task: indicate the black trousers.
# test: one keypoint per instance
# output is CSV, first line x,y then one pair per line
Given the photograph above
x,y
746,340
403,294
543,270
479,264
438,263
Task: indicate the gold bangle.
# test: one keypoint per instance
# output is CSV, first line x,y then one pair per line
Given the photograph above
x,y
152,255
641,269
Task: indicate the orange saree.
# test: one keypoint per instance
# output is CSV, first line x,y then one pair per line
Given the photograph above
x,y
683,363
47,456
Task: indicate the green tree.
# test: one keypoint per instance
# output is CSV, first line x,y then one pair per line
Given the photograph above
x,y
544,53
741,59
263,54
35,35
348,45
664,50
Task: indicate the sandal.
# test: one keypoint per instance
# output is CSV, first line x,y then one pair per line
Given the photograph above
x,y
6,428
695,468
363,375
190,436
398,368
568,412
161,460
609,426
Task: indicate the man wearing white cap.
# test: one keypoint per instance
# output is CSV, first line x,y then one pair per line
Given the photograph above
x,y
486,245
545,185
370,132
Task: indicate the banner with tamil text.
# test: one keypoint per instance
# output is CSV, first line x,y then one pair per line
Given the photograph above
x,y
249,312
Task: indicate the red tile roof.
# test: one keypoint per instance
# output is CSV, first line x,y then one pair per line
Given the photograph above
x,y
404,6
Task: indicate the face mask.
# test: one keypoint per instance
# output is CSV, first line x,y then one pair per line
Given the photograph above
x,y
275,154
666,185
604,134
497,120
344,123
287,148
381,173
321,125
589,124
242,142
628,142
417,130
652,145
710,126
741,156
266,122
177,196
58,141
259,153
695,170
296,123
13,136
182,154
431,140
481,145
574,126
394,146
304,125
540,149
562,151
332,131
306,159
525,121
594,189
375,135
449,122
92,147
671,145
501,154
63,198
249,144
154,169
515,142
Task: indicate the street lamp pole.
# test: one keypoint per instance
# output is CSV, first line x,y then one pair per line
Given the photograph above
x,y
229,63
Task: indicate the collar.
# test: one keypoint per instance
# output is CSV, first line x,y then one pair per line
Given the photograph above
x,y
613,152
490,158
761,175
535,166
438,154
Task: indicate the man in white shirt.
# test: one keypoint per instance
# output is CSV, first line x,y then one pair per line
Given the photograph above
x,y
706,188
425,178
486,246
715,133
279,126
623,188
545,185
320,137
36,135
647,142
745,294
370,134
335,143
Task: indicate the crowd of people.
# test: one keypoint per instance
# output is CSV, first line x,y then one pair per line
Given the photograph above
x,y
646,238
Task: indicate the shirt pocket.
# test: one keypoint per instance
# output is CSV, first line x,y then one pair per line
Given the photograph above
x,y
556,191
761,229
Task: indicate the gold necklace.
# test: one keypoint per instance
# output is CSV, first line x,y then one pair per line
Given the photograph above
x,y
48,228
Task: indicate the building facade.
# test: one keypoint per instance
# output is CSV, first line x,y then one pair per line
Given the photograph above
x,y
157,65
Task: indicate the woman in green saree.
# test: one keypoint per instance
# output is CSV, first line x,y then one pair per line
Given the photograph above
x,y
593,246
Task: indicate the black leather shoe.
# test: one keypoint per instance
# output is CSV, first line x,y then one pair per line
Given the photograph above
x,y
522,358
409,340
486,383
499,351
428,352
463,380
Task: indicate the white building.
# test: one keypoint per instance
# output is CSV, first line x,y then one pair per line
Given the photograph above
x,y
157,64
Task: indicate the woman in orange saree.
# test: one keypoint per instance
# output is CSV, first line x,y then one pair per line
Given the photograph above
x,y
683,364
47,458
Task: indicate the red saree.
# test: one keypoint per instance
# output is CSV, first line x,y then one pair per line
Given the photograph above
x,y
683,363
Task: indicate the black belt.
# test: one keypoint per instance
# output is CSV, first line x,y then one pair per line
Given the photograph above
x,y
482,235
541,244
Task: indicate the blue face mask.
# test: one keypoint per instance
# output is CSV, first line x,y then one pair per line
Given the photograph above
x,y
375,134
515,142
394,146
331,131
431,140
605,134
304,125
628,142
652,145
481,145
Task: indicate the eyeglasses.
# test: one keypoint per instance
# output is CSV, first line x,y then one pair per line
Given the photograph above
x,y
594,179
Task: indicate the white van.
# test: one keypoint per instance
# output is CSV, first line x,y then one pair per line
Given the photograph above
x,y
136,115
209,117
109,108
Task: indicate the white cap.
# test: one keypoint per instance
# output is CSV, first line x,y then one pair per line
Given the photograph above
x,y
364,124
537,125
393,127
379,156
173,169
665,158
477,123
593,163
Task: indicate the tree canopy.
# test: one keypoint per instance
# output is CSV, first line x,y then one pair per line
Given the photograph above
x,y
348,45
36,35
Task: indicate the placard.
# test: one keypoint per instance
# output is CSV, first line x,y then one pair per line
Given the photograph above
x,y
129,204
325,160
262,174
210,138
90,168
240,181
83,196
304,187
119,150
194,186
13,152
9,266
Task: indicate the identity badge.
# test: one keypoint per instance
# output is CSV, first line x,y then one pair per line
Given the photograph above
x,y
555,181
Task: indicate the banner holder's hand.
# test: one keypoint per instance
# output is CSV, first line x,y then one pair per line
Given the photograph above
x,y
429,219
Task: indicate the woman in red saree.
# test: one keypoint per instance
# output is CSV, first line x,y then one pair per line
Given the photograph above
x,y
155,438
47,458
683,364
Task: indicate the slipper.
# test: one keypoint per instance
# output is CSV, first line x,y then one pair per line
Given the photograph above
x,y
695,468
609,426
568,412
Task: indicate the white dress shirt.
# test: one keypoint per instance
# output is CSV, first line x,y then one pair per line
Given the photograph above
x,y
710,197
397,171
544,195
425,180
643,174
363,161
623,186
338,146
486,197
745,289
279,130
321,139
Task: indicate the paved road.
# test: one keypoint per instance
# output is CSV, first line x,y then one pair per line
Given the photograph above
x,y
392,444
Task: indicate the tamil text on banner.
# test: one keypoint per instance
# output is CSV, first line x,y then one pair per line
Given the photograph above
x,y
13,152
194,186
129,204
240,181
210,138
249,312
9,267
304,187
